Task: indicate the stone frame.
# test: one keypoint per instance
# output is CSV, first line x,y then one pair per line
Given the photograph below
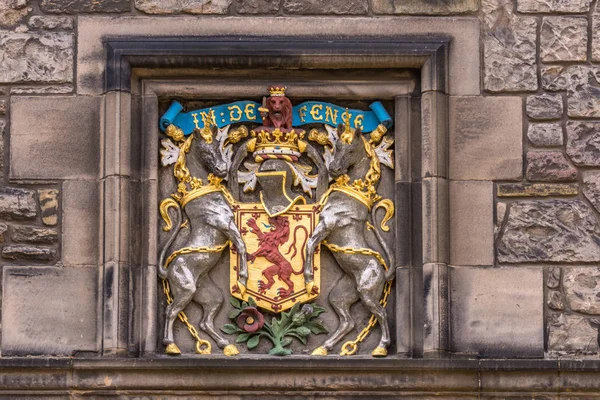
x,y
131,112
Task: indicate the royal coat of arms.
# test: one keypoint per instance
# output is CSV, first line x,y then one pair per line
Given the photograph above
x,y
250,178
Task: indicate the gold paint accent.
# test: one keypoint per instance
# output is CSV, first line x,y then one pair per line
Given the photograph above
x,y
319,136
380,352
315,110
186,224
309,286
238,134
190,250
302,146
175,133
208,120
201,191
275,140
172,349
203,347
277,90
378,133
163,208
230,350
319,351
249,320
251,145
348,136
350,250
389,212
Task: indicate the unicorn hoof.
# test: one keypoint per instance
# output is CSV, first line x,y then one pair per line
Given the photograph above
x,y
309,287
319,351
172,349
242,288
231,350
380,352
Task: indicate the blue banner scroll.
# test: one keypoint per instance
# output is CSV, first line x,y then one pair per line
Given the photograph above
x,y
309,112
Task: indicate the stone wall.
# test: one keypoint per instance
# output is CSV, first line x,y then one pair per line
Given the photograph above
x,y
524,156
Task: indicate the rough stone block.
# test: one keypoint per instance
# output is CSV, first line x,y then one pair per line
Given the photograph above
x,y
582,83
583,143
424,7
3,107
257,6
572,333
85,6
563,39
555,300
509,48
325,7
559,6
36,57
545,135
49,206
64,141
33,234
49,310
550,230
3,229
537,189
81,223
471,223
553,78
591,187
486,138
50,22
596,33
12,11
23,252
17,204
545,106
581,286
497,312
549,166
183,6
58,89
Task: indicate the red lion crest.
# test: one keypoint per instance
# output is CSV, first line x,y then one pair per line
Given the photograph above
x,y
268,247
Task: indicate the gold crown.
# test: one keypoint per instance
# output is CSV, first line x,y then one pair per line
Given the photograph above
x,y
276,143
277,90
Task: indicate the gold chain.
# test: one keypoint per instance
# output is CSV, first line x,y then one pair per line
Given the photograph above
x,y
351,346
202,346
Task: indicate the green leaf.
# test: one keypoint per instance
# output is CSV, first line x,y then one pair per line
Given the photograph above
x,y
233,314
301,330
230,329
251,302
317,310
244,305
275,327
235,302
253,342
300,338
242,338
316,327
286,342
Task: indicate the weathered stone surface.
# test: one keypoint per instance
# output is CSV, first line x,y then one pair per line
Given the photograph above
x,y
550,230
3,107
49,206
58,89
583,143
555,300
33,234
563,39
545,106
553,78
471,222
497,311
49,310
257,6
572,334
596,33
36,57
554,277
549,166
560,6
545,135
81,222
50,22
12,11
183,6
509,48
424,7
21,252
500,218
536,189
591,187
17,204
65,145
325,7
3,229
486,138
85,6
582,83
582,289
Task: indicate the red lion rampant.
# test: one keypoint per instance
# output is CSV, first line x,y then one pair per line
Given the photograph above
x,y
268,247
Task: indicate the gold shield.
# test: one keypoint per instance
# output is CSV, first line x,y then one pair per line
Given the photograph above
x,y
276,250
